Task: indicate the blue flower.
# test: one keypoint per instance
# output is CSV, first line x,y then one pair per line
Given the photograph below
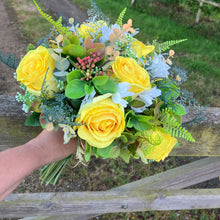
x,y
158,67
106,32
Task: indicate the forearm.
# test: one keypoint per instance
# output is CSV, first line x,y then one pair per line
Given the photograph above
x,y
16,163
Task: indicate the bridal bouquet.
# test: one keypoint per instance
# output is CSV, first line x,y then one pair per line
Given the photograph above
x,y
119,96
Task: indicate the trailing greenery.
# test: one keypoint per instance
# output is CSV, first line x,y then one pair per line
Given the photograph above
x,y
10,59
56,24
173,127
160,47
120,18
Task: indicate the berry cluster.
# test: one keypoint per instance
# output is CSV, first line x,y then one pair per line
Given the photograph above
x,y
88,65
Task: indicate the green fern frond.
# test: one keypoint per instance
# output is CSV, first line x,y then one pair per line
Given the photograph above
x,y
120,18
173,127
160,47
56,24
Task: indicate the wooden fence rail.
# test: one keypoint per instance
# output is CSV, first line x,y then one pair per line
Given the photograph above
x,y
163,191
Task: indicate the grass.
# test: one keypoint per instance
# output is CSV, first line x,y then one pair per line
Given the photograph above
x,y
200,55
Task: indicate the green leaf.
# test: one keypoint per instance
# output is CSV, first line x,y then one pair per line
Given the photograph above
x,y
124,139
178,109
75,74
108,87
129,136
74,50
125,155
30,47
74,39
137,104
33,119
89,89
129,123
76,103
88,152
105,152
115,152
75,89
140,122
100,80
128,99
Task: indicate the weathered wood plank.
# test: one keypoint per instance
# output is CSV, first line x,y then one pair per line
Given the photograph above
x,y
70,203
63,217
14,132
180,177
207,143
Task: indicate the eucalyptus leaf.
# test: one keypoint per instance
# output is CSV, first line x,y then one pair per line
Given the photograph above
x,y
60,74
62,64
75,89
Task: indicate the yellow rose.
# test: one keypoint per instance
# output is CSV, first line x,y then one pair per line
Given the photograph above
x,y
165,144
88,29
103,119
33,67
141,49
50,87
128,70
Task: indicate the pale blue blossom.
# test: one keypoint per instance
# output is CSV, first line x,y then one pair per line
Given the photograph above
x,y
122,92
88,98
147,98
25,108
158,67
106,32
73,29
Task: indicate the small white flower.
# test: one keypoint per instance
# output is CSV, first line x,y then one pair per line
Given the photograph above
x,y
122,92
147,97
68,133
